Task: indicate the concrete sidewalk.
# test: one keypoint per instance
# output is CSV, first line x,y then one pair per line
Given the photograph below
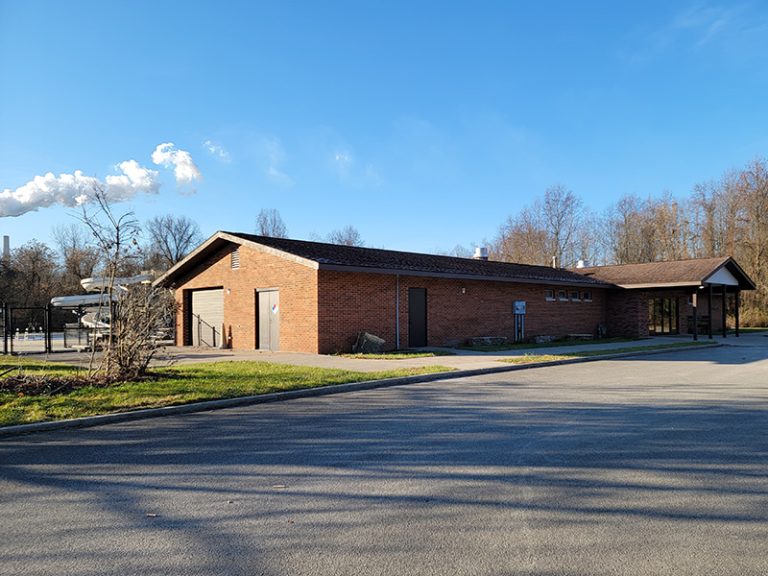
x,y
460,360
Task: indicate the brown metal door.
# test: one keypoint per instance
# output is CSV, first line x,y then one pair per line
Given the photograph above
x,y
417,317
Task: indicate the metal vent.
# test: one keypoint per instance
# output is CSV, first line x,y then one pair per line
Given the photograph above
x,y
235,258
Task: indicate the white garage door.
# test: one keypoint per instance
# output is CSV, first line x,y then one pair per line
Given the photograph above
x,y
207,317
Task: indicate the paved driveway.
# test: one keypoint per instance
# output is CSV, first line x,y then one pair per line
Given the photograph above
x,y
646,466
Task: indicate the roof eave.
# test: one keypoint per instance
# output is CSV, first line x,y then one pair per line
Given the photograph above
x,y
650,285
458,276
188,261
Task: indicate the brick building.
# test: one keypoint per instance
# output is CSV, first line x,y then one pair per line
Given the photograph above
x,y
249,292
680,297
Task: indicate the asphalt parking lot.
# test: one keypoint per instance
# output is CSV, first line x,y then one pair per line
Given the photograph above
x,y
654,465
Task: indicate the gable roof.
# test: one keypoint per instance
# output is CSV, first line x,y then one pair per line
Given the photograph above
x,y
322,256
694,272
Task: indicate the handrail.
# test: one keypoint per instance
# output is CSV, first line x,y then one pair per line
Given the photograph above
x,y
200,323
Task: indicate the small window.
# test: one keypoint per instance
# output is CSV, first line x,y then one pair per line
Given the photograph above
x,y
562,295
549,295
235,258
587,296
575,296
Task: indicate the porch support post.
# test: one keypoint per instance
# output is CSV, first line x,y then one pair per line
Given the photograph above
x,y
725,327
709,310
695,303
738,297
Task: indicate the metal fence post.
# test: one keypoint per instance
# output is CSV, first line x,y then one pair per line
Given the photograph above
x,y
5,328
47,335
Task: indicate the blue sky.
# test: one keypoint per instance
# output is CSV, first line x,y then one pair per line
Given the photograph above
x,y
423,124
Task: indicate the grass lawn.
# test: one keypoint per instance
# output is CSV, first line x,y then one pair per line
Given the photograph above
x,y
534,358
530,345
175,385
400,355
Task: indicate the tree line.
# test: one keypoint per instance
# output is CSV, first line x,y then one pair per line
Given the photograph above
x,y
725,217
36,272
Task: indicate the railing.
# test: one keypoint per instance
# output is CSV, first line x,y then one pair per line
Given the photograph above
x,y
203,328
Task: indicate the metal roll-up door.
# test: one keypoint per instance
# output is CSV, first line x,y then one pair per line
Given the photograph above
x,y
207,317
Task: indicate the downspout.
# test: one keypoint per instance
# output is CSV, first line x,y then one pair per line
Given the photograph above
x,y
397,311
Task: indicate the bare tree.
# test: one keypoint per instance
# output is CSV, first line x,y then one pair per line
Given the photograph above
x,y
171,238
136,313
270,223
522,238
549,228
562,212
78,256
33,275
347,236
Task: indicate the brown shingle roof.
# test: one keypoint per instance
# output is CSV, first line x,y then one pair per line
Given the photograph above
x,y
353,258
677,272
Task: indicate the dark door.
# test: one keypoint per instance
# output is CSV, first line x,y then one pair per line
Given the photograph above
x,y
417,317
269,320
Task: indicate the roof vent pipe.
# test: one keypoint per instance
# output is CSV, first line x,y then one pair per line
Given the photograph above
x,y
481,253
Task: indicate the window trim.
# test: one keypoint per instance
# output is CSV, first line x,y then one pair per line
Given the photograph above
x,y
549,295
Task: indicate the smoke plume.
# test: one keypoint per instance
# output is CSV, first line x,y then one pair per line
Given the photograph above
x,y
75,189
184,168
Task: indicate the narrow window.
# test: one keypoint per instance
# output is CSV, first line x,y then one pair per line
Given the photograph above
x,y
549,295
562,295
575,296
235,258
587,296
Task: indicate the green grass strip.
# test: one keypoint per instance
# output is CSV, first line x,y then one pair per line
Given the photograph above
x,y
401,355
536,358
181,385
532,346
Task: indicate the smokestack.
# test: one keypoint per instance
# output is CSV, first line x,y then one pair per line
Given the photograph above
x,y
6,249
481,253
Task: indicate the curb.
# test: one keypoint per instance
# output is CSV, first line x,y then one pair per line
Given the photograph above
x,y
89,421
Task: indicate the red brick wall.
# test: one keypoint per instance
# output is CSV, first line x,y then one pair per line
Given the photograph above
x,y
298,296
323,311
628,311
354,302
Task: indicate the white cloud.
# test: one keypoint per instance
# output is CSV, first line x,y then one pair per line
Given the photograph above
x,y
352,173
275,160
76,189
216,150
181,161
343,162
736,30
